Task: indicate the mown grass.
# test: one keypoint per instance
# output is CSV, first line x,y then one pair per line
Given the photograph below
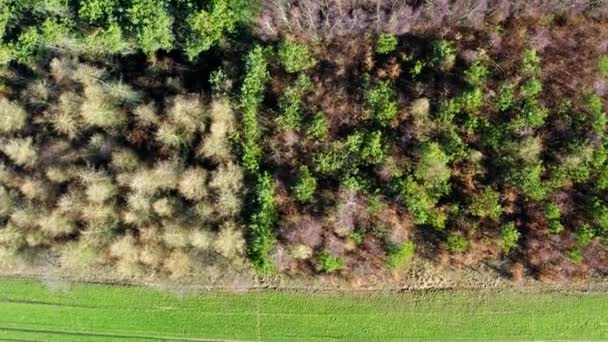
x,y
84,312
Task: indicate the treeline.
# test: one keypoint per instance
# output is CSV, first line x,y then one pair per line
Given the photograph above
x,y
30,30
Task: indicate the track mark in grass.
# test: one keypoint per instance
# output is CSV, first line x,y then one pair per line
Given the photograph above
x,y
113,336
35,302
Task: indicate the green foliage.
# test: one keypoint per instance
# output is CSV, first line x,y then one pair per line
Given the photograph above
x,y
602,65
476,75
329,263
27,47
528,179
472,100
531,116
598,116
584,236
417,68
372,150
531,88
600,213
506,97
295,57
220,82
382,100
356,237
552,216
509,237
386,43
576,256
375,203
318,127
252,93
106,40
444,54
432,169
209,27
98,11
290,103
487,204
400,255
531,62
152,25
421,205
261,226
306,186
457,242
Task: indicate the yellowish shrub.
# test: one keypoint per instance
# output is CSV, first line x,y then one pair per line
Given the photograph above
x,y
179,264
21,151
230,242
192,184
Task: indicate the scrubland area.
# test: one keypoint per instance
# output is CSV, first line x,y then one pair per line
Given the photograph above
x,y
343,140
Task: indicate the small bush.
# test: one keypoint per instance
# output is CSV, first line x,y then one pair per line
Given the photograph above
x,y
383,103
306,186
329,263
506,97
386,43
553,215
531,62
444,54
217,145
164,176
603,66
529,180
146,114
101,191
457,243
487,204
125,160
400,255
432,168
301,252
12,116
21,151
531,88
372,150
230,242
295,57
99,110
193,184
318,127
509,237
476,75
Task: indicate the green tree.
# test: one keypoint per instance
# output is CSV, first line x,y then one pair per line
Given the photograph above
x,y
252,93
386,43
329,263
457,242
295,57
261,226
487,204
509,236
553,215
603,66
382,101
400,255
432,168
306,186
151,24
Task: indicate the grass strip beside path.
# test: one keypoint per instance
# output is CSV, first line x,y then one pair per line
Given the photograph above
x,y
91,312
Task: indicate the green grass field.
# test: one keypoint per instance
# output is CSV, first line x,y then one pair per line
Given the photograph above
x,y
31,312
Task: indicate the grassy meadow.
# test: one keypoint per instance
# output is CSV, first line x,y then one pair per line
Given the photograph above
x,y
29,310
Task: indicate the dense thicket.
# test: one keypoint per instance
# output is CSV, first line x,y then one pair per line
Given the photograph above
x,y
350,138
